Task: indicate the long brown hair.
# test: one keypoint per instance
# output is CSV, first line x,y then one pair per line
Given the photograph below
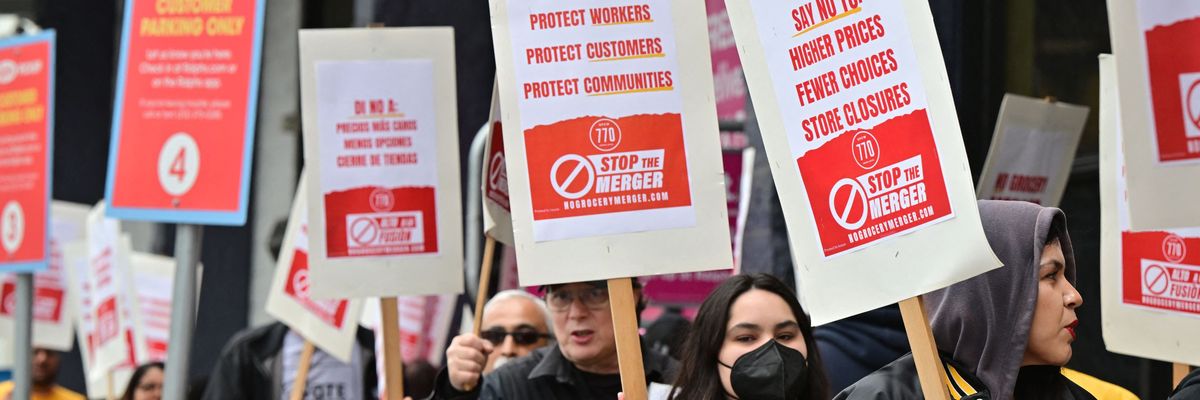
x,y
698,379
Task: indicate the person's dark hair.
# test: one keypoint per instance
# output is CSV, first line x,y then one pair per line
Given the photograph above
x,y
698,379
136,379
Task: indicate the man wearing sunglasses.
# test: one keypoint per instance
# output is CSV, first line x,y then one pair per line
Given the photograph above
x,y
583,364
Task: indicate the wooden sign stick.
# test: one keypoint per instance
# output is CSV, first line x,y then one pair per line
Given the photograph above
x,y
301,381
485,281
111,388
629,344
1178,372
393,365
924,349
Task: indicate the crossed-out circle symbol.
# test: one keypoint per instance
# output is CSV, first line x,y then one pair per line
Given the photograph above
x,y
364,230
300,282
1173,248
496,170
581,165
1156,280
843,211
1193,104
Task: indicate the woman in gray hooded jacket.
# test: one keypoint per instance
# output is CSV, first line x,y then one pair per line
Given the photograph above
x,y
1004,334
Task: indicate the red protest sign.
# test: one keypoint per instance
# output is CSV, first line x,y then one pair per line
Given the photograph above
x,y
183,124
26,119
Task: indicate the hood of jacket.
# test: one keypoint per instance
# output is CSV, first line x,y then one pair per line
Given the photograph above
x,y
984,322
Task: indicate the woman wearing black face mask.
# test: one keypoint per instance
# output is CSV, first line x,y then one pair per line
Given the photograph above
x,y
751,340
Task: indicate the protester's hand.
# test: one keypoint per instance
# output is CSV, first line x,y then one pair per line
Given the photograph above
x,y
620,395
465,359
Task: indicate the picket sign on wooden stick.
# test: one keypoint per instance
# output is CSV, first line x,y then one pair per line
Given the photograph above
x,y
629,346
1178,372
301,381
393,365
924,349
485,281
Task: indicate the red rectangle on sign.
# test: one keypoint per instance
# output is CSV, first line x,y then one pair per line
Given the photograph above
x,y
868,185
1175,89
496,187
1158,271
381,222
332,312
184,115
26,76
107,325
598,165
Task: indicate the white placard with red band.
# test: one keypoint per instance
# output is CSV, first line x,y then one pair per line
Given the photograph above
x,y
53,316
153,284
1159,79
865,149
79,295
112,311
610,138
329,324
497,219
381,143
1032,150
1149,280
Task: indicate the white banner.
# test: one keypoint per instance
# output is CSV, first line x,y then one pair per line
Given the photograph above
x,y
1158,76
330,324
610,138
381,138
1149,280
1032,150
866,152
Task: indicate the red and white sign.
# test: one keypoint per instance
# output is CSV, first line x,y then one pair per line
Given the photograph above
x,y
1032,150
109,307
424,326
26,118
611,136
1158,76
153,278
79,295
183,125
864,144
381,141
497,214
329,324
1159,273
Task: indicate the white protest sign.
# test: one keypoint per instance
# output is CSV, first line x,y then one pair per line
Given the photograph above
x,y
381,143
79,295
1158,76
113,315
497,217
153,285
53,317
865,149
1032,150
1150,280
330,324
610,138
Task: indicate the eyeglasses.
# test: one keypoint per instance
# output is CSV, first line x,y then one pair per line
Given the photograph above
x,y
594,298
522,337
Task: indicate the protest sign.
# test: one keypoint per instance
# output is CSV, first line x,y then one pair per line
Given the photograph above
x,y
184,114
153,278
865,149
329,324
53,316
611,144
1159,82
497,219
1032,150
1149,280
79,295
381,140
26,134
113,313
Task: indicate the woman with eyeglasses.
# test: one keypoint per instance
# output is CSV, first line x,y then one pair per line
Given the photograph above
x,y
751,340
146,383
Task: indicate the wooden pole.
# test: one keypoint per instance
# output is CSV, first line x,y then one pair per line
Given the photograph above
x,y
485,281
924,349
301,381
393,365
629,345
1178,372
111,387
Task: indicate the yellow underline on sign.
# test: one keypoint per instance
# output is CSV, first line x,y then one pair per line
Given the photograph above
x,y
835,18
649,21
375,116
657,89
656,55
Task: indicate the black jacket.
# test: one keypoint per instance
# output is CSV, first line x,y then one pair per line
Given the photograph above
x,y
1189,388
899,380
250,368
545,374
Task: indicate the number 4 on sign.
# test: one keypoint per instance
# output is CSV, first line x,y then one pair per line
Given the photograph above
x,y
179,166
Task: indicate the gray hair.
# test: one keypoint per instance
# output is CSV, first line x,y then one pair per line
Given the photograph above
x,y
510,294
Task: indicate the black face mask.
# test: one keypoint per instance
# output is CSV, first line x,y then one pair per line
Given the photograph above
x,y
770,372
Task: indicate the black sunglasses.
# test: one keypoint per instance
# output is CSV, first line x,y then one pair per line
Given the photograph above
x,y
523,337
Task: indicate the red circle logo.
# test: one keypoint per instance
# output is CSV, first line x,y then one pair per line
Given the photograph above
x,y
605,134
1173,248
865,149
382,200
